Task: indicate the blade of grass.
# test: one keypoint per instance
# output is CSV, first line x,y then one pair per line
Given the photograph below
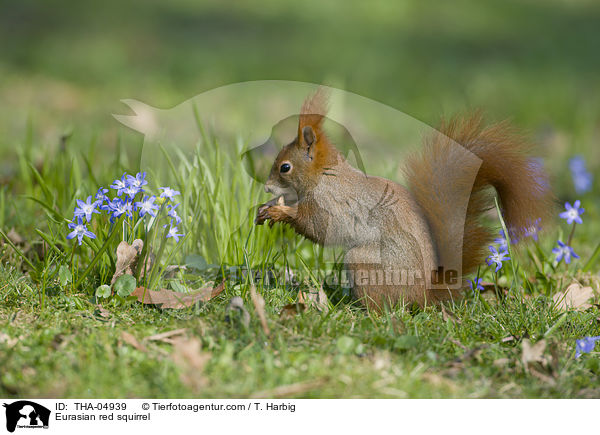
x,y
593,259
49,241
508,244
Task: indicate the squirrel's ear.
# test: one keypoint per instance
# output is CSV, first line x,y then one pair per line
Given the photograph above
x,y
309,136
307,140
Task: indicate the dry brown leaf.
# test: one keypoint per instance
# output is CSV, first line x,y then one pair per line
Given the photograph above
x,y
259,307
188,356
314,298
289,311
127,258
169,299
533,353
132,341
163,336
575,297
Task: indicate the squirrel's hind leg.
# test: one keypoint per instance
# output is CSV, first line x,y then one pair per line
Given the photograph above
x,y
378,285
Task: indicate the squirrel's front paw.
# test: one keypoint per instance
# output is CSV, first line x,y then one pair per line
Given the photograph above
x,y
275,213
262,214
270,210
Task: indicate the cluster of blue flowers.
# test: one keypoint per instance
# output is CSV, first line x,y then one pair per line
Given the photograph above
x,y
131,198
499,253
582,179
572,215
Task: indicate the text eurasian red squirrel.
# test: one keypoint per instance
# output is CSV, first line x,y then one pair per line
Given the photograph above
x,y
391,232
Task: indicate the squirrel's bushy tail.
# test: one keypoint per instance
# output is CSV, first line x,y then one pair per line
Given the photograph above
x,y
452,175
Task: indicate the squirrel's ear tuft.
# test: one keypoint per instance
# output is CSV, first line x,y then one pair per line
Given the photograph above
x,y
313,114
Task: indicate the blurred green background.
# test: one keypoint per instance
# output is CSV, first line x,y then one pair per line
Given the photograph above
x,y
64,65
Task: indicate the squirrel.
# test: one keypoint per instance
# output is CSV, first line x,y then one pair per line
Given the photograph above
x,y
397,239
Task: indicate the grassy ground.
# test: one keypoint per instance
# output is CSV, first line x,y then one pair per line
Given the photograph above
x,y
64,74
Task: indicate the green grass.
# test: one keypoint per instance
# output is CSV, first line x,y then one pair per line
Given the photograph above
x,y
65,347
528,60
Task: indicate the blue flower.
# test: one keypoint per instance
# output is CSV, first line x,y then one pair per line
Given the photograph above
x,y
173,214
119,185
564,251
582,179
585,345
147,206
573,213
173,233
532,231
577,164
583,182
168,193
117,207
79,231
86,208
501,241
497,258
101,196
138,181
476,283
131,191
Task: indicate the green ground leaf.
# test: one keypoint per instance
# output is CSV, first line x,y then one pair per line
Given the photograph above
x,y
104,291
64,275
125,285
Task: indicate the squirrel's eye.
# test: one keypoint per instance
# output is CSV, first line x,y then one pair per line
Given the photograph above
x,y
285,168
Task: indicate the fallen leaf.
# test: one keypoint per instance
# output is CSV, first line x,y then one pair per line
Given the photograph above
x,y
132,341
188,356
163,336
127,258
291,310
237,304
169,299
533,353
314,298
259,307
575,297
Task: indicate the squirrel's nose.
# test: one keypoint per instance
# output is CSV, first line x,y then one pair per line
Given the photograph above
x,y
268,187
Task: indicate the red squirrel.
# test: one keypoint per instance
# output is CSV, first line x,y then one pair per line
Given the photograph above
x,y
396,238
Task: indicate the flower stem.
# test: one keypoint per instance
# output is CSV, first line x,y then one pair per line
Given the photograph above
x,y
71,267
571,235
